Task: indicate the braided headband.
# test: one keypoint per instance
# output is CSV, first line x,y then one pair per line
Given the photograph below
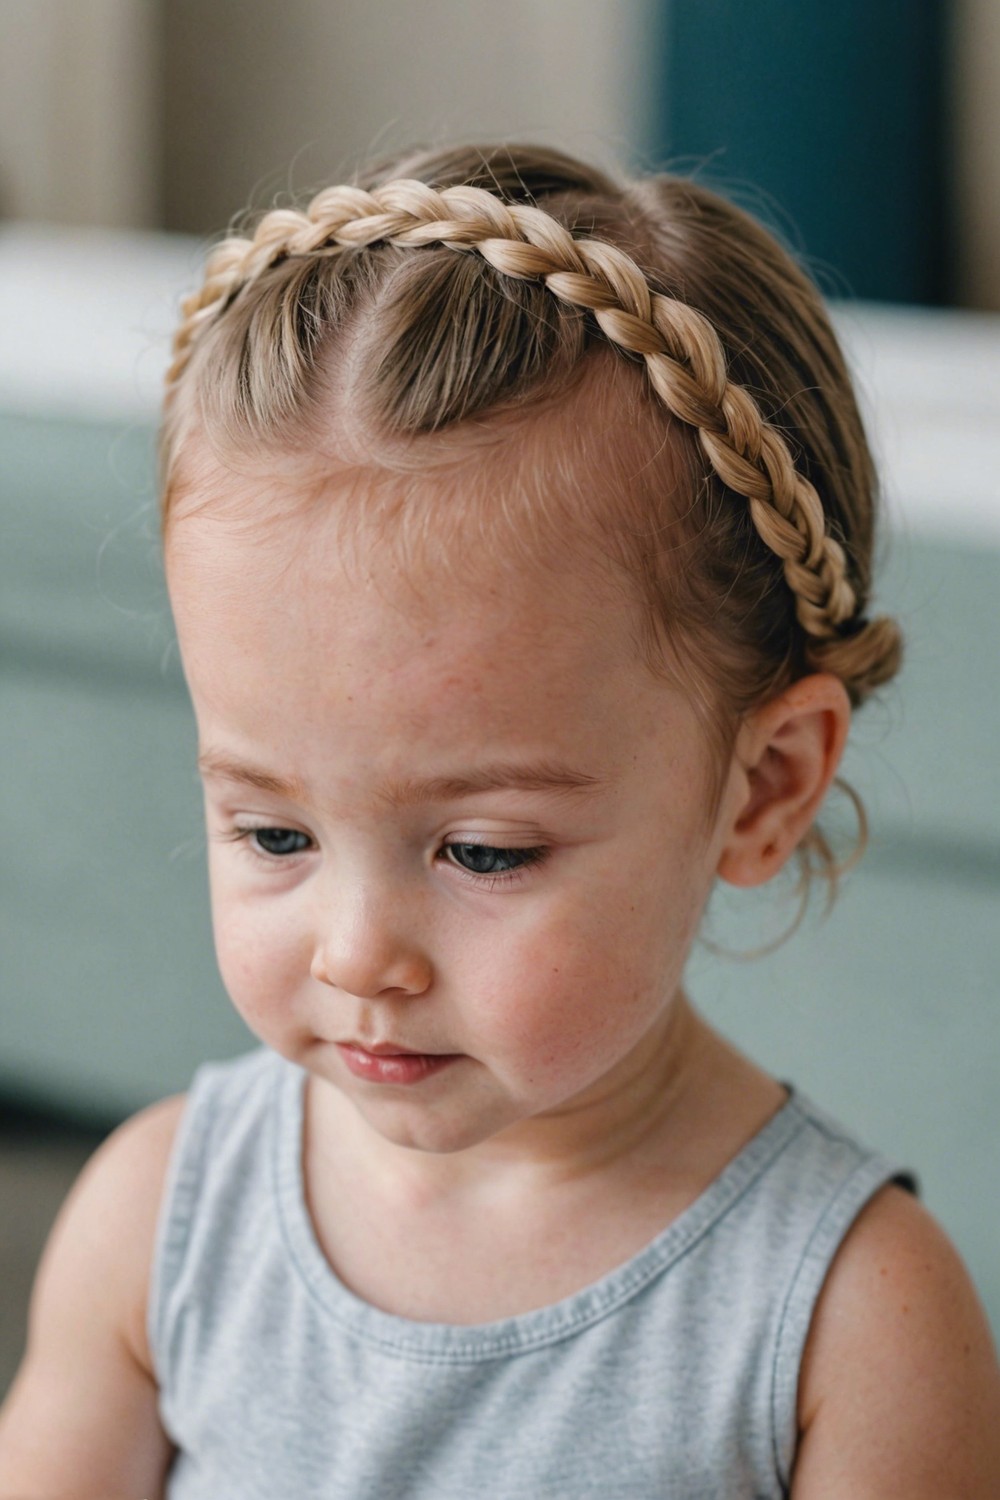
x,y
682,352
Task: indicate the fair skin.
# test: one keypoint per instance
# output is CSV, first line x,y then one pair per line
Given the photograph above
x,y
468,820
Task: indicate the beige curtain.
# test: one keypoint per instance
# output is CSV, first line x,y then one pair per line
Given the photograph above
x,y
89,135
262,97
977,143
79,111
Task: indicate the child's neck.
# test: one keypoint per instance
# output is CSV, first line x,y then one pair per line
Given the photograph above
x,y
686,1099
500,1230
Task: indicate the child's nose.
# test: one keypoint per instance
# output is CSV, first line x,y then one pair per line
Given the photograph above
x,y
362,948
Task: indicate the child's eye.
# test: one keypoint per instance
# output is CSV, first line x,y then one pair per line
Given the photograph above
x,y
276,841
485,859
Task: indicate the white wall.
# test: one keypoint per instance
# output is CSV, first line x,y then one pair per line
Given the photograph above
x,y
79,111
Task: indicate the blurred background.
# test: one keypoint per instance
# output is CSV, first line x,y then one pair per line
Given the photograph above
x,y
868,135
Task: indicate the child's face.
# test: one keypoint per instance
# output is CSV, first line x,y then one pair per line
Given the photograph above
x,y
471,826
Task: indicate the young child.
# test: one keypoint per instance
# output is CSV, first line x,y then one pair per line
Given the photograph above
x,y
518,528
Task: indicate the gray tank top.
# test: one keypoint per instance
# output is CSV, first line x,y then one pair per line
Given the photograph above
x,y
673,1376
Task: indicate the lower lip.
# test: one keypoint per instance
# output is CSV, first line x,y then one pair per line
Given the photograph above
x,y
403,1067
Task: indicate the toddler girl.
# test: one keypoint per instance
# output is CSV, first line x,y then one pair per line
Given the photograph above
x,y
518,528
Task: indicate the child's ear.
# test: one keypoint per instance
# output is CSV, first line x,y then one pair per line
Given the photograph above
x,y
786,755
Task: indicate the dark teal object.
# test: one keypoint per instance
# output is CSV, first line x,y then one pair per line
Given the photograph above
x,y
828,120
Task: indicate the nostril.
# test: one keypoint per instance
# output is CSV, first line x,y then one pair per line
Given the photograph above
x,y
371,974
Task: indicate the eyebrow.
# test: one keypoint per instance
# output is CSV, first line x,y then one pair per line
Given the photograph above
x,y
538,776
227,767
500,776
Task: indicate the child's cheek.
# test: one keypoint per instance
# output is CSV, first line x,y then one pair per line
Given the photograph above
x,y
249,961
568,988
238,965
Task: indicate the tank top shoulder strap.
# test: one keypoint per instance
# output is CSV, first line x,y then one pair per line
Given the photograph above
x,y
223,1149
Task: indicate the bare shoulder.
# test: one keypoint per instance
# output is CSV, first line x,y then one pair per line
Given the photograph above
x,y
109,1217
900,1386
82,1412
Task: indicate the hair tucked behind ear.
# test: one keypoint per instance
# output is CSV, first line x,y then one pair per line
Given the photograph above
x,y
462,283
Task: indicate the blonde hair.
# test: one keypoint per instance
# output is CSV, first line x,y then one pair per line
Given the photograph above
x,y
740,361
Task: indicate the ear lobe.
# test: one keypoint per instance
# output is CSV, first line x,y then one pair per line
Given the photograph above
x,y
788,751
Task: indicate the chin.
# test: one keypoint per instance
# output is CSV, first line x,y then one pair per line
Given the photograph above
x,y
423,1130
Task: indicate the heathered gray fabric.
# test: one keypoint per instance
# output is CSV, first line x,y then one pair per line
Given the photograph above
x,y
674,1376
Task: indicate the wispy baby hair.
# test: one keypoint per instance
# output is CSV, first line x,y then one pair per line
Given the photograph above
x,y
473,283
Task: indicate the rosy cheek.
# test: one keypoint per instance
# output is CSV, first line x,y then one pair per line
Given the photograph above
x,y
551,979
244,958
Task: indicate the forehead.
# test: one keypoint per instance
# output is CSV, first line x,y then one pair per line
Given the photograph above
x,y
288,637
498,511
309,580
597,460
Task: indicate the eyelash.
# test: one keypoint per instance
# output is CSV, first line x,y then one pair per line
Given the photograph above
x,y
492,880
250,835
488,880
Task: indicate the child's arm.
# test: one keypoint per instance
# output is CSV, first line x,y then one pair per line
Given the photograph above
x,y
81,1417
900,1387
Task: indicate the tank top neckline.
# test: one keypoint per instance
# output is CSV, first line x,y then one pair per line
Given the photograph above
x,y
522,1332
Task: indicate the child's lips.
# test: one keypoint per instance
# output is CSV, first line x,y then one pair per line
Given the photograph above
x,y
387,1049
386,1062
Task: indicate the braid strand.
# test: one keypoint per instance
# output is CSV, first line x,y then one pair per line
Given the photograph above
x,y
682,353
